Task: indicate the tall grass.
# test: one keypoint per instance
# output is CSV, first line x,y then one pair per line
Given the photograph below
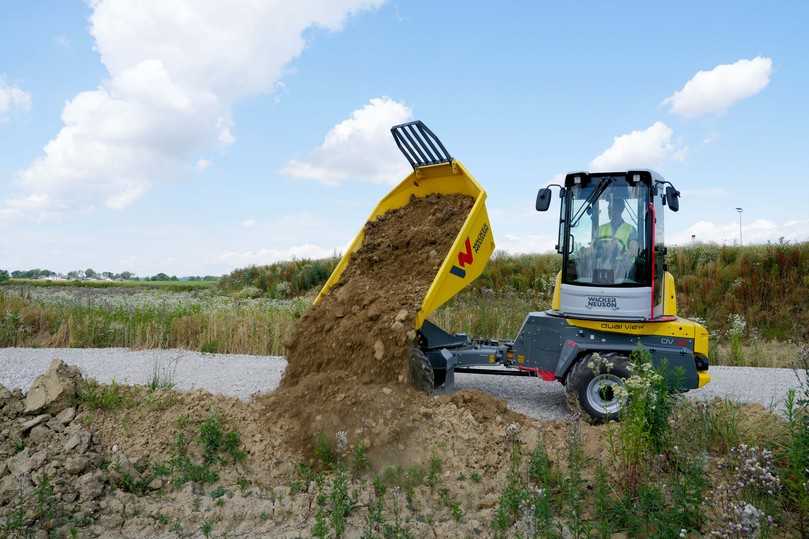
x,y
237,327
755,301
281,280
767,285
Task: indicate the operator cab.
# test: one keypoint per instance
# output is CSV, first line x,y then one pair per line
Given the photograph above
x,y
612,244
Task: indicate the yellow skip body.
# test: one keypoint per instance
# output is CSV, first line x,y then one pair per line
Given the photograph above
x,y
471,250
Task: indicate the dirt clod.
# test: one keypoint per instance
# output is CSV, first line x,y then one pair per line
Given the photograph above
x,y
53,390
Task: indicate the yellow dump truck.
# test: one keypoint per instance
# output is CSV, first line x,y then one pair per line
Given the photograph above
x,y
612,295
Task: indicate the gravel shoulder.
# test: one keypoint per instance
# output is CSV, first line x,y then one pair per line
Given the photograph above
x,y
243,375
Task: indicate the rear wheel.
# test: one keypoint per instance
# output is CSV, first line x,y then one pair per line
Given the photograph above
x,y
594,386
421,371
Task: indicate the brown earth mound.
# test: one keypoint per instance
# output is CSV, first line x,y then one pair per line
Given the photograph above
x,y
364,326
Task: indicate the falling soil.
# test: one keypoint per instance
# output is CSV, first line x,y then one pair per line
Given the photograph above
x,y
348,358
365,325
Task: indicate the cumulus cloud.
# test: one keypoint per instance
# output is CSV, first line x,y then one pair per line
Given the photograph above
x,y
12,97
650,147
358,148
175,70
758,231
717,90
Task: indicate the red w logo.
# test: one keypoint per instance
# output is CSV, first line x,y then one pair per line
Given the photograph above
x,y
465,258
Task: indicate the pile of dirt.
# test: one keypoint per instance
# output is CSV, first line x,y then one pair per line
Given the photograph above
x,y
129,461
364,326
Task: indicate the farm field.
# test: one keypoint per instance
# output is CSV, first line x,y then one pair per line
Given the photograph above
x,y
169,285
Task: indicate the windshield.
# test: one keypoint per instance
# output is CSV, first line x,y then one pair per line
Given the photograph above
x,y
606,243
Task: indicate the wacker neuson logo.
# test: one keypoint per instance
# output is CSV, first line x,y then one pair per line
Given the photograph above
x,y
602,302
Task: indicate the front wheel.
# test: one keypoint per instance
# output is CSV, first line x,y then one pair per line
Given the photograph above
x,y
594,386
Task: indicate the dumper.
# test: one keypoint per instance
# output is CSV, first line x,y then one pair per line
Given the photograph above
x,y
434,172
613,304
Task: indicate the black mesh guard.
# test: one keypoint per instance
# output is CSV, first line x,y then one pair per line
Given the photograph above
x,y
419,145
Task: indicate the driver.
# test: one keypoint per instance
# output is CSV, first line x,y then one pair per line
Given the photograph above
x,y
617,229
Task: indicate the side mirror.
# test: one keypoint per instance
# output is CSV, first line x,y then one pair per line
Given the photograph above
x,y
543,199
672,198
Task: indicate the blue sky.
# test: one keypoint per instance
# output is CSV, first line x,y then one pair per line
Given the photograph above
x,y
195,137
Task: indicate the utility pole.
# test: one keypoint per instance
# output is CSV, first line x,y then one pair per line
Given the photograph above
x,y
740,210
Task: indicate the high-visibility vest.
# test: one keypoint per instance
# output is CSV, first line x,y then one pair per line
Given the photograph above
x,y
623,233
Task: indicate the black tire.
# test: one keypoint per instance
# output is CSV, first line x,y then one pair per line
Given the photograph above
x,y
590,392
421,371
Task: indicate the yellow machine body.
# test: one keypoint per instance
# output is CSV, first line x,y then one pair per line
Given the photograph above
x,y
678,327
471,248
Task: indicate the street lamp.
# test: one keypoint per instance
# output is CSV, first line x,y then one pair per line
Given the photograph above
x,y
740,210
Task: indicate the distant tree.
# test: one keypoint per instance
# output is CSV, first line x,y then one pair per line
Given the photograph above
x,y
32,274
3,276
159,277
90,273
125,275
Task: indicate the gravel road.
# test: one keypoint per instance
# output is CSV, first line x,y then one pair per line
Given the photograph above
x,y
242,375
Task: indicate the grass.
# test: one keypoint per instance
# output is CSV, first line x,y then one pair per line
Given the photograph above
x,y
96,396
231,327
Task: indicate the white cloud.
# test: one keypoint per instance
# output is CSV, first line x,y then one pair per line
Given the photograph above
x,y
358,148
203,164
12,97
268,256
248,223
757,231
717,90
175,70
650,147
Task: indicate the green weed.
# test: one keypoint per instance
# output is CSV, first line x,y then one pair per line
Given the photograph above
x,y
206,528
359,460
102,397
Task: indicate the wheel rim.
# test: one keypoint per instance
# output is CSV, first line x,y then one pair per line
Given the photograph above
x,y
602,394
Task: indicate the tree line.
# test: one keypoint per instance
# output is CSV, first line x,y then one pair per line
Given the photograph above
x,y
90,273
